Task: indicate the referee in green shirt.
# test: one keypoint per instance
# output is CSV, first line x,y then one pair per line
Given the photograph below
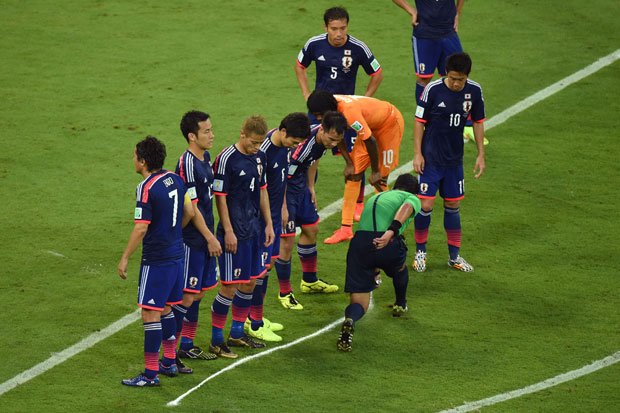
x,y
378,245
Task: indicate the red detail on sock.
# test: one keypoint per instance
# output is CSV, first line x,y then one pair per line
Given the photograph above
x,y
308,264
169,348
285,286
240,313
151,361
421,236
256,312
218,320
189,329
454,237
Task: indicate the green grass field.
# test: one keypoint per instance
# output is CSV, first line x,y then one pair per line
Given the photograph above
x,y
83,81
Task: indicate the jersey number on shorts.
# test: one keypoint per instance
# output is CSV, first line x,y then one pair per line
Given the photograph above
x,y
175,196
388,157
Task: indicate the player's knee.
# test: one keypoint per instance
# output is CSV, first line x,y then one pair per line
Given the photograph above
x,y
423,81
228,290
150,316
451,204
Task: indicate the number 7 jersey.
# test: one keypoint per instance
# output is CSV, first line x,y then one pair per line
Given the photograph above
x,y
444,113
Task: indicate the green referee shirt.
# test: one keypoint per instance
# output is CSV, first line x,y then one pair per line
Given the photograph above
x,y
385,206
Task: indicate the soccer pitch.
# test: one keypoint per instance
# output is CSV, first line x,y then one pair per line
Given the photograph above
x,y
83,81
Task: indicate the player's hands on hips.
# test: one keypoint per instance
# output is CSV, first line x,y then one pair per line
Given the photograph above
x,y
383,240
230,242
418,163
122,268
375,179
414,18
269,235
479,167
214,247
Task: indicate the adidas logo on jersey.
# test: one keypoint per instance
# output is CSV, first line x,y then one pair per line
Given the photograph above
x,y
321,58
242,173
442,105
275,165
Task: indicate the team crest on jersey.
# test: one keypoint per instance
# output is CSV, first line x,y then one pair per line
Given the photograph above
x,y
467,106
138,213
357,126
263,258
421,67
290,225
259,168
423,188
218,185
237,273
193,281
347,61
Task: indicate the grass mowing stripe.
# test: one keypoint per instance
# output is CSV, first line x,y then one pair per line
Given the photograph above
x,y
67,353
554,381
324,214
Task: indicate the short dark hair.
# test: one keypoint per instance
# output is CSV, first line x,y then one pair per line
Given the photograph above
x,y
254,125
296,124
189,122
335,13
152,151
458,62
334,120
407,183
320,101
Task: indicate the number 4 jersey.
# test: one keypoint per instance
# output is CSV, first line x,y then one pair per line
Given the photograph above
x,y
159,203
444,113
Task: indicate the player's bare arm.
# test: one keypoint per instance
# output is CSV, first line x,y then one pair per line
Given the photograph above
x,y
213,245
266,213
311,178
459,9
302,78
404,4
479,137
230,239
418,159
188,211
135,239
373,83
349,168
401,216
375,179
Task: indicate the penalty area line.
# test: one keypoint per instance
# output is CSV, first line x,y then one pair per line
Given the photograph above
x,y
554,381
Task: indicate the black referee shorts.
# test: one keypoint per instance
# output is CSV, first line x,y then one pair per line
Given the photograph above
x,y
363,258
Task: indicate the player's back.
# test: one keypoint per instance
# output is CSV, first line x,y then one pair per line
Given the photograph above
x,y
364,109
306,153
160,200
276,166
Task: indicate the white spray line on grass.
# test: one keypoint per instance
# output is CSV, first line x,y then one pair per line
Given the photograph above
x,y
55,254
554,381
244,360
324,214
66,354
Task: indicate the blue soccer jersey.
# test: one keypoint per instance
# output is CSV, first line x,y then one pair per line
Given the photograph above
x,y
198,177
435,18
306,153
240,177
159,203
444,113
336,67
276,165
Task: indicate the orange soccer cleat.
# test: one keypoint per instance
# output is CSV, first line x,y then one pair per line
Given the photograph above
x,y
340,235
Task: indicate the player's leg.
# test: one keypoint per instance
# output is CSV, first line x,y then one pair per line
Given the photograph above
x,y
282,264
393,262
308,255
429,183
425,57
452,191
221,305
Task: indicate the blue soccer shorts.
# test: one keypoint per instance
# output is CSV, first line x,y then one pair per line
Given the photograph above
x,y
448,180
199,272
301,212
160,285
431,54
244,265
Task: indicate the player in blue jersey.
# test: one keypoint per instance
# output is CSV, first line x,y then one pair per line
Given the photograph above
x,y
378,245
201,245
337,57
440,117
293,129
241,198
162,209
302,210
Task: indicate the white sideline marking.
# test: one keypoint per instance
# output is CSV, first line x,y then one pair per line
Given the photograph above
x,y
244,360
324,214
67,353
554,381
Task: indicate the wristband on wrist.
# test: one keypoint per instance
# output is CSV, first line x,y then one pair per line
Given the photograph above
x,y
395,226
